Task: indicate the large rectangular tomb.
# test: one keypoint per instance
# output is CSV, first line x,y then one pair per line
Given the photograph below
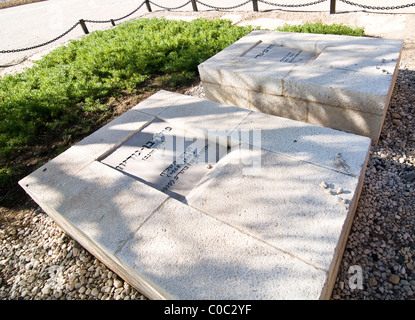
x,y
340,82
192,199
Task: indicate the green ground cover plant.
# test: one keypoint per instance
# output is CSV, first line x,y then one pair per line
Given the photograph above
x,y
319,27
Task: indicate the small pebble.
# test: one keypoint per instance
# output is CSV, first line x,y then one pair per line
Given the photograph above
x,y
118,283
394,279
95,292
397,122
372,282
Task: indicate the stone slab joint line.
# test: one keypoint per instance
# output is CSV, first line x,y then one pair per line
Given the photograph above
x,y
133,233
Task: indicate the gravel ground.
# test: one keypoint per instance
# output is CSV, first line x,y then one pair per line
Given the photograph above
x,y
382,238
39,261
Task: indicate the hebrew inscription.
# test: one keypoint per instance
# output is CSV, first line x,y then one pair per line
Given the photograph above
x,y
270,52
169,159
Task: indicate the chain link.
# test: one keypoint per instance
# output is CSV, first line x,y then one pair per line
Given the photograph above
x,y
224,8
292,5
168,9
42,44
67,31
378,8
118,19
97,21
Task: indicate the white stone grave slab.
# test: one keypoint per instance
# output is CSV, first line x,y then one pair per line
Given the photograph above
x,y
340,82
191,199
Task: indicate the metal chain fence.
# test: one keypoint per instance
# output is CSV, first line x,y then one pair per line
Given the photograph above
x,y
292,5
167,8
118,19
377,8
42,44
255,2
224,8
80,22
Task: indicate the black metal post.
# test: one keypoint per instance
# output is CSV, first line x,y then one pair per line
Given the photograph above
x,y
255,4
194,5
113,22
332,6
148,5
83,25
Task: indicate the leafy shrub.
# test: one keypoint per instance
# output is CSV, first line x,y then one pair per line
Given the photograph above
x,y
319,27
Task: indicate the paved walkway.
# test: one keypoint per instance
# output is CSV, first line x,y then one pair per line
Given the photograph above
x,y
43,21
